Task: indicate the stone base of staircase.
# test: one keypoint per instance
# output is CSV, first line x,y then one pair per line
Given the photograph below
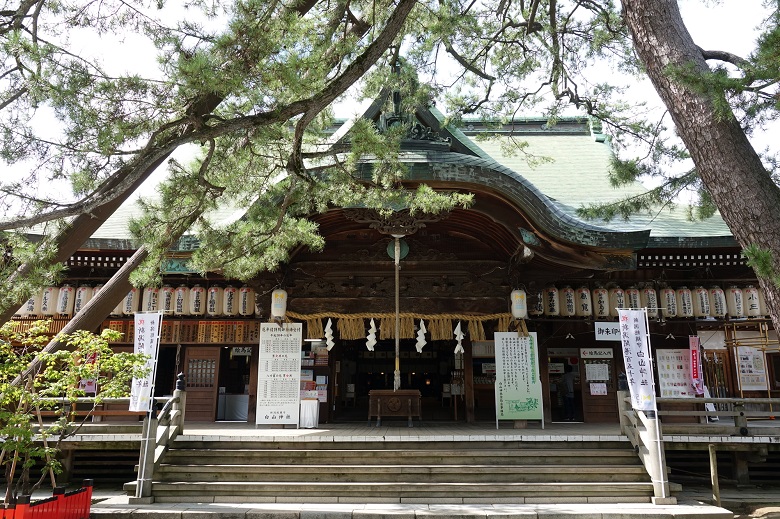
x,y
407,472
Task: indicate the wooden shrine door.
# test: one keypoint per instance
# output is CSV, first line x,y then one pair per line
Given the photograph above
x,y
202,371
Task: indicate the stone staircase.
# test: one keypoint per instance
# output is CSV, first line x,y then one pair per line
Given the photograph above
x,y
452,472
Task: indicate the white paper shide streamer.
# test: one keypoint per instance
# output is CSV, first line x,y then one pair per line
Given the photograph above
x,y
371,337
329,335
459,335
421,337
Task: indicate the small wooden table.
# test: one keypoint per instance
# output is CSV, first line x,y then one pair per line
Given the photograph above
x,y
389,403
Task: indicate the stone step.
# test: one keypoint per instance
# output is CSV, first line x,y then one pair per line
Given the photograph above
x,y
412,456
401,473
261,491
190,442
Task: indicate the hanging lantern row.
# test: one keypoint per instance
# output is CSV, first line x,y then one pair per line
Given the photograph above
x,y
214,301
602,303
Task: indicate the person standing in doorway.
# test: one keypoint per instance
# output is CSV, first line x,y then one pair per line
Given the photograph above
x,y
568,398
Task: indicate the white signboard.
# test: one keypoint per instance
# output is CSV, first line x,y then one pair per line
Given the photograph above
x,y
607,331
279,373
596,353
752,369
636,346
518,386
146,341
674,373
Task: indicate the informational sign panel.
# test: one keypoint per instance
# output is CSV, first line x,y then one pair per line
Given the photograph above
x,y
607,331
636,354
146,341
518,386
279,373
674,373
751,368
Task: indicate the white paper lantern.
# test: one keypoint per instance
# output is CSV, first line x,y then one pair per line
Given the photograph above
x,y
167,301
735,303
718,306
278,303
83,296
32,306
130,303
536,306
668,302
684,302
65,300
617,299
97,288
584,306
151,299
600,303
49,301
117,310
751,301
246,301
214,301
762,302
230,301
648,298
552,301
701,302
181,302
633,298
568,302
197,300
519,304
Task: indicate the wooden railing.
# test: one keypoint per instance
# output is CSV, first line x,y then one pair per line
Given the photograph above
x,y
722,417
159,432
62,505
725,416
642,429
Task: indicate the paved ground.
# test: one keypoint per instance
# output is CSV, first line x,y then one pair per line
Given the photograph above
x,y
692,504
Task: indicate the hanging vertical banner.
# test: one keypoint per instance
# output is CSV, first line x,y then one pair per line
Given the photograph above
x,y
697,376
279,373
636,355
147,342
518,386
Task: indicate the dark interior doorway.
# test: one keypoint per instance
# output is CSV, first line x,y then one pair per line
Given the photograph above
x,y
361,370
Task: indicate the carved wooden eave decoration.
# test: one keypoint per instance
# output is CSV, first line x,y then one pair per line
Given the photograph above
x,y
397,223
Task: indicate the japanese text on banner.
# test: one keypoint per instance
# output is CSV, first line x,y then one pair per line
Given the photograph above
x,y
146,342
636,354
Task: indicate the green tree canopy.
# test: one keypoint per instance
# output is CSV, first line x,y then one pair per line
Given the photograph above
x,y
252,83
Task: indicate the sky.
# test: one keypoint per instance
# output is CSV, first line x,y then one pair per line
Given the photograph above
x,y
730,25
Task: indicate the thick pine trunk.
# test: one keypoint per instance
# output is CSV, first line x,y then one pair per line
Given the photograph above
x,y
730,168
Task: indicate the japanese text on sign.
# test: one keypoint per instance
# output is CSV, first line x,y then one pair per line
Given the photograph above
x,y
518,387
279,373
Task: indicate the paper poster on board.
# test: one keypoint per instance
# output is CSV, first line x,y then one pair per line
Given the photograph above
x,y
279,374
751,368
518,386
674,373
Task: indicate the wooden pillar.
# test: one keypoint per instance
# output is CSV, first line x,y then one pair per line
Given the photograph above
x,y
468,380
254,360
741,473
